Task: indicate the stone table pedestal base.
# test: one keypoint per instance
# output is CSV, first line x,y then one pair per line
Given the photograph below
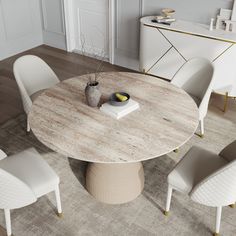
x,y
115,183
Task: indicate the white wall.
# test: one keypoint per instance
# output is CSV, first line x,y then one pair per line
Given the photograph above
x,y
20,26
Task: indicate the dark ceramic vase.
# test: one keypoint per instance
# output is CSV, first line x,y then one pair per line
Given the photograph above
x,y
93,94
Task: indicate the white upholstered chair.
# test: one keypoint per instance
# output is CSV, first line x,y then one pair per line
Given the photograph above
x,y
195,78
24,177
33,76
207,178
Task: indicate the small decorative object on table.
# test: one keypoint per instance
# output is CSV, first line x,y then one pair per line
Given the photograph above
x,y
119,105
119,99
92,92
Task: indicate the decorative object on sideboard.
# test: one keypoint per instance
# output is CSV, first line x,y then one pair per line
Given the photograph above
x,y
231,23
212,24
168,12
230,26
166,17
227,19
225,14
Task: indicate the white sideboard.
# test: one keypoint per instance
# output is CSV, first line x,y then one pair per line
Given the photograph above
x,y
164,49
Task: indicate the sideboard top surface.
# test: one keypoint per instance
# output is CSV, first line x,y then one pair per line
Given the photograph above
x,y
192,28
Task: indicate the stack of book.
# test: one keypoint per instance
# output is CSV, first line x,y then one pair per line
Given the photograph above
x,y
164,19
118,112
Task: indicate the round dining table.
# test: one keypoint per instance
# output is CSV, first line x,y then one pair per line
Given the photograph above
x,y
167,118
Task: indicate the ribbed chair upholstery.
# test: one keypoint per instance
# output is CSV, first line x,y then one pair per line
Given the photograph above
x,y
207,178
195,78
24,178
33,76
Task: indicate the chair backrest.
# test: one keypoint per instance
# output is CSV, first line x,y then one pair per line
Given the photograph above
x,y
13,192
32,74
229,152
219,189
195,77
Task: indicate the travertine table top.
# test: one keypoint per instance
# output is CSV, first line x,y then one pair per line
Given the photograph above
x,y
61,119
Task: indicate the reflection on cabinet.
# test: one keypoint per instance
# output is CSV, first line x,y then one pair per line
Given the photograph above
x,y
164,49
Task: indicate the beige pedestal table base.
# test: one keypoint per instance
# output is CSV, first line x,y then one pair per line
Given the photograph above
x,y
115,183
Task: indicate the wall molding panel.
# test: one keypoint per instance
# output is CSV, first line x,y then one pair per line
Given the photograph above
x,y
53,22
12,24
20,26
49,23
126,36
91,23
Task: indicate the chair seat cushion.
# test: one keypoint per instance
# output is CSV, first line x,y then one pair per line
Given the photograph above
x,y
30,168
36,94
2,155
194,167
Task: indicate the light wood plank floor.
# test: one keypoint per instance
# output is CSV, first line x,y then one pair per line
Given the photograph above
x,y
65,65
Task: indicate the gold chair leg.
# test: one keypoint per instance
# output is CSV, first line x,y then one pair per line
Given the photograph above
x,y
166,213
200,135
60,215
232,205
176,150
216,234
226,101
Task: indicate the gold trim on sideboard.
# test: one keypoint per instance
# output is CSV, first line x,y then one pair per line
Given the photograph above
x,y
193,34
223,52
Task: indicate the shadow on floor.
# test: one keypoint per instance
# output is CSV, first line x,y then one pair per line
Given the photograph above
x,y
79,169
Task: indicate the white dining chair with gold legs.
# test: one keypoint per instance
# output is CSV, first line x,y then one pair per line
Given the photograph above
x,y
24,177
33,76
195,77
207,178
